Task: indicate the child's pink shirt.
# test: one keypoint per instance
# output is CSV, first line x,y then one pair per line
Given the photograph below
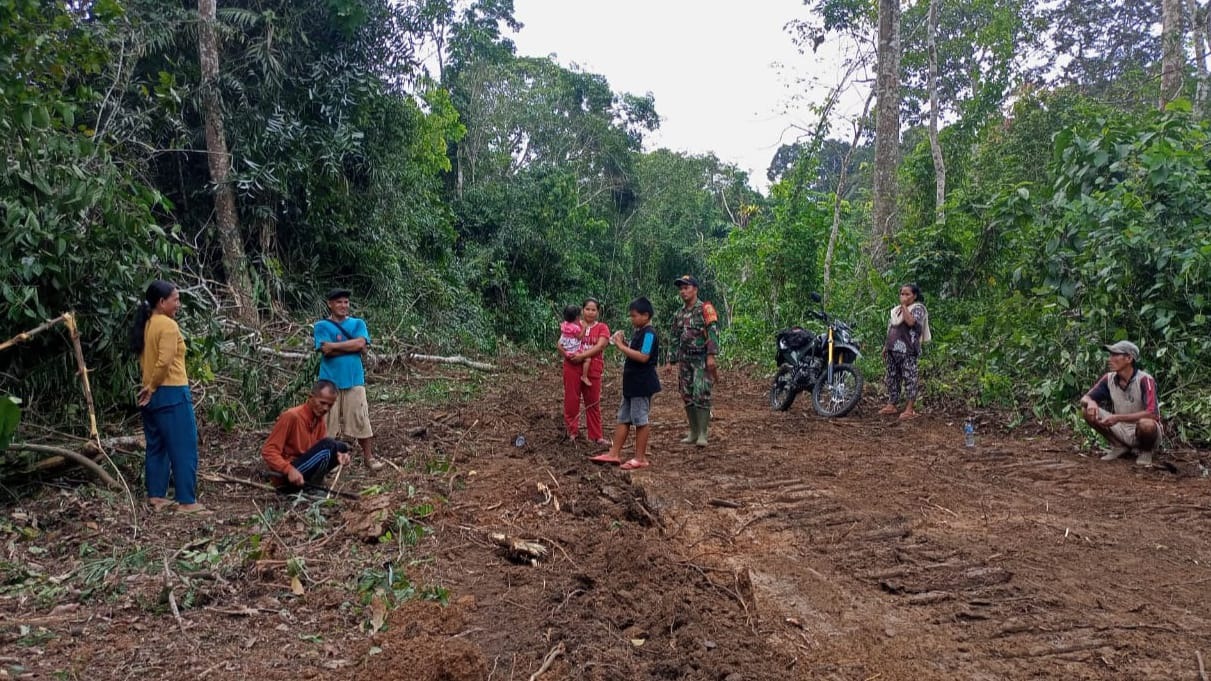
x,y
571,337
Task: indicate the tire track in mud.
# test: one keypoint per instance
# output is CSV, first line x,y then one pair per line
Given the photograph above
x,y
885,548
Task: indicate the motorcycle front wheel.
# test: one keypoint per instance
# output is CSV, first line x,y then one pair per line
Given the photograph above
x,y
782,393
839,396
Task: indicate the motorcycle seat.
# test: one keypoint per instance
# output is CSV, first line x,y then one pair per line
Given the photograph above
x,y
796,338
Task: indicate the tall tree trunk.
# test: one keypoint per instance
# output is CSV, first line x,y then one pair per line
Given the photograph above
x,y
235,264
935,145
887,131
1173,54
838,197
1198,33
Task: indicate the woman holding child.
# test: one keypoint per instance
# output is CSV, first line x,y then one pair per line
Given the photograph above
x,y
575,390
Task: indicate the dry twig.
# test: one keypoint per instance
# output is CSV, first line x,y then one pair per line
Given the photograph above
x,y
336,480
548,660
172,599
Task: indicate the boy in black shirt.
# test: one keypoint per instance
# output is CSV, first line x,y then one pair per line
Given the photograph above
x,y
639,383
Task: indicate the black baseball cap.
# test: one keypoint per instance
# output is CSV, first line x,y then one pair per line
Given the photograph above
x,y
687,279
335,293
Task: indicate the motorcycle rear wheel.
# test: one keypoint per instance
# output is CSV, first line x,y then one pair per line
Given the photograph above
x,y
783,391
841,395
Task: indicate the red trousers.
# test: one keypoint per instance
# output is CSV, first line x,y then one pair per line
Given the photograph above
x,y
573,392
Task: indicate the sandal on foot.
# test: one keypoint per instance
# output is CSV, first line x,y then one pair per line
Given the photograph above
x,y
374,464
635,464
908,415
193,509
605,458
160,505
889,410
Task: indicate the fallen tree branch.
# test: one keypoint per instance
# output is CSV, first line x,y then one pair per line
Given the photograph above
x,y
223,477
1202,670
172,599
22,337
284,354
377,359
455,359
76,457
548,660
121,441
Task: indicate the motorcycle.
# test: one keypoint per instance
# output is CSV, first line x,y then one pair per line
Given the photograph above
x,y
821,363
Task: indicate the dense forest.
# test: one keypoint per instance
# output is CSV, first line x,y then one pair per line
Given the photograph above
x,y
1040,169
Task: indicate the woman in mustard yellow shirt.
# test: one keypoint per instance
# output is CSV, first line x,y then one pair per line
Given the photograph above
x,y
165,401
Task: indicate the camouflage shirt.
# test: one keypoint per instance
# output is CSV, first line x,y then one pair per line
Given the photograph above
x,y
695,331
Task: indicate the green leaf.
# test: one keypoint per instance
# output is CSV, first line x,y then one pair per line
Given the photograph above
x,y
41,117
10,418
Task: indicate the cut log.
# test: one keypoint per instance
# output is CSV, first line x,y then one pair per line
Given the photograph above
x,y
121,441
519,549
455,359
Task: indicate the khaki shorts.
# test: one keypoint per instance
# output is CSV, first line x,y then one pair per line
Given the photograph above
x,y
350,415
1125,432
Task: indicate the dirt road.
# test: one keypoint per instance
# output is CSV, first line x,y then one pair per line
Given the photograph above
x,y
791,548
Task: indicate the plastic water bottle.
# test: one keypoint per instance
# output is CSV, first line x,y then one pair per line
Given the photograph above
x,y
969,433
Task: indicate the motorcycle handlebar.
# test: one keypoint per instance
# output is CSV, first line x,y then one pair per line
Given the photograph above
x,y
824,317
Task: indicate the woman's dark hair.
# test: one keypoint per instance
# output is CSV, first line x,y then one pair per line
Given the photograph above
x,y
593,300
917,296
156,291
642,306
571,313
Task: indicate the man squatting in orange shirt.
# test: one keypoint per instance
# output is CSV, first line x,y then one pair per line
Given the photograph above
x,y
299,451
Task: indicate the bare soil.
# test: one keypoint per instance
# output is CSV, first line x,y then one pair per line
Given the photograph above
x,y
791,548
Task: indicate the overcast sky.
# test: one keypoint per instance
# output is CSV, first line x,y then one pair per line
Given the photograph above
x,y
711,65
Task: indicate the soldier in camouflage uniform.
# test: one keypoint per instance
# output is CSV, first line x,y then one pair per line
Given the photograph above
x,y
695,343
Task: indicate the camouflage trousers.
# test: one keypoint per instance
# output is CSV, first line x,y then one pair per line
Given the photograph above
x,y
694,382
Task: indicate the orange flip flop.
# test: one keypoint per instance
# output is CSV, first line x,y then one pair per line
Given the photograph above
x,y
605,458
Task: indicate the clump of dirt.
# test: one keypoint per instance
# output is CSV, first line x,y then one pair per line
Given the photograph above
x,y
422,643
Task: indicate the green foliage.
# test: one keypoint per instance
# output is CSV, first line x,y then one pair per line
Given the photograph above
x,y
393,586
68,204
466,193
1132,248
770,266
1111,241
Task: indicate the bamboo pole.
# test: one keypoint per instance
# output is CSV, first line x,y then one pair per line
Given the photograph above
x,y
94,445
69,319
22,337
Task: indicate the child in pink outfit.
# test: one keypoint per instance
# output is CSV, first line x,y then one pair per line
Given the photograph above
x,y
571,339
